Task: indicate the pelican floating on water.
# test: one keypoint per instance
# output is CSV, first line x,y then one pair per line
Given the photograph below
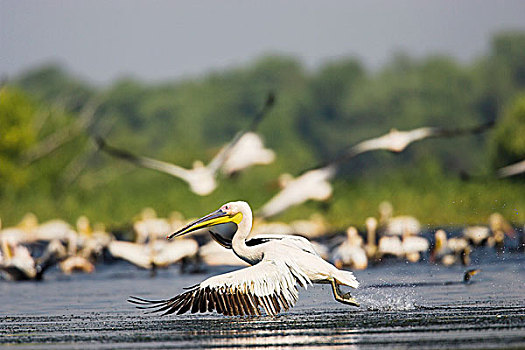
x,y
449,251
396,225
279,263
16,262
351,251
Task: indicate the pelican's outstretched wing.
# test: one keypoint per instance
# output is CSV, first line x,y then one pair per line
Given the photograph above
x,y
218,161
513,169
395,141
144,162
271,285
451,132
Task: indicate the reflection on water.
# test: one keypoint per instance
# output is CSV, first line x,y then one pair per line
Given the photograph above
x,y
419,306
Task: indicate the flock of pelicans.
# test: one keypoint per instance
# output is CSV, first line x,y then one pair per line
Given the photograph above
x,y
247,149
275,263
276,259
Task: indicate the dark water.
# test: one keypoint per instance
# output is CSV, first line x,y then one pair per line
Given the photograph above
x,y
402,306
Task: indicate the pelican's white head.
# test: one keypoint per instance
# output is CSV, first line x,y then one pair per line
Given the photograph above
x,y
229,212
371,224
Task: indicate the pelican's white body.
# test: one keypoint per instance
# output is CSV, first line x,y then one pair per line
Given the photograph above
x,y
248,151
312,185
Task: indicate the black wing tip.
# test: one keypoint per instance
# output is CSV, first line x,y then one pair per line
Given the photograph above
x,y
99,141
141,301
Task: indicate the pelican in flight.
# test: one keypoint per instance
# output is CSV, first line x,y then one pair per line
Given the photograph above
x,y
202,178
397,141
311,185
314,184
248,151
279,264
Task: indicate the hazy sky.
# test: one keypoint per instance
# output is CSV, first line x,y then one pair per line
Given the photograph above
x,y
159,40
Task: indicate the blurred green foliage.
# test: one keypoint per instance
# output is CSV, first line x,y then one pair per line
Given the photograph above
x,y
509,137
16,135
317,114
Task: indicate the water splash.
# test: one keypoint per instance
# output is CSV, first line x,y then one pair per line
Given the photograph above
x,y
379,299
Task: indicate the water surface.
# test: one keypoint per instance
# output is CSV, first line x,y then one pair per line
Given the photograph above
x,y
402,306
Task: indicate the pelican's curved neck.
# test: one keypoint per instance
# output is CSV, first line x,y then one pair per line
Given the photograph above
x,y
251,255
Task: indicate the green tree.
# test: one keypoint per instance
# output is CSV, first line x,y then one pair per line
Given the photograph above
x,y
16,135
508,141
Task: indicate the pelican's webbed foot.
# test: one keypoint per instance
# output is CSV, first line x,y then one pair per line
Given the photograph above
x,y
346,298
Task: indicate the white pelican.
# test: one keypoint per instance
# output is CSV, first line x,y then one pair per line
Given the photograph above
x,y
371,246
98,240
513,169
17,264
279,263
155,253
56,230
390,245
76,263
477,235
201,179
398,225
315,184
351,252
413,246
500,228
449,251
23,231
248,151
76,260
150,226
397,141
312,185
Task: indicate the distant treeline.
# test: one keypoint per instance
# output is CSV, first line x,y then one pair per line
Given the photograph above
x,y
49,165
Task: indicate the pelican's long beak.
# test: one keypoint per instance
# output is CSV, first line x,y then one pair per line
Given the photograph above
x,y
215,218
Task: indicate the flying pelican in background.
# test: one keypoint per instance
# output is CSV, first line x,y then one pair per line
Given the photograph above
x,y
201,178
311,185
279,263
397,141
314,184
248,151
